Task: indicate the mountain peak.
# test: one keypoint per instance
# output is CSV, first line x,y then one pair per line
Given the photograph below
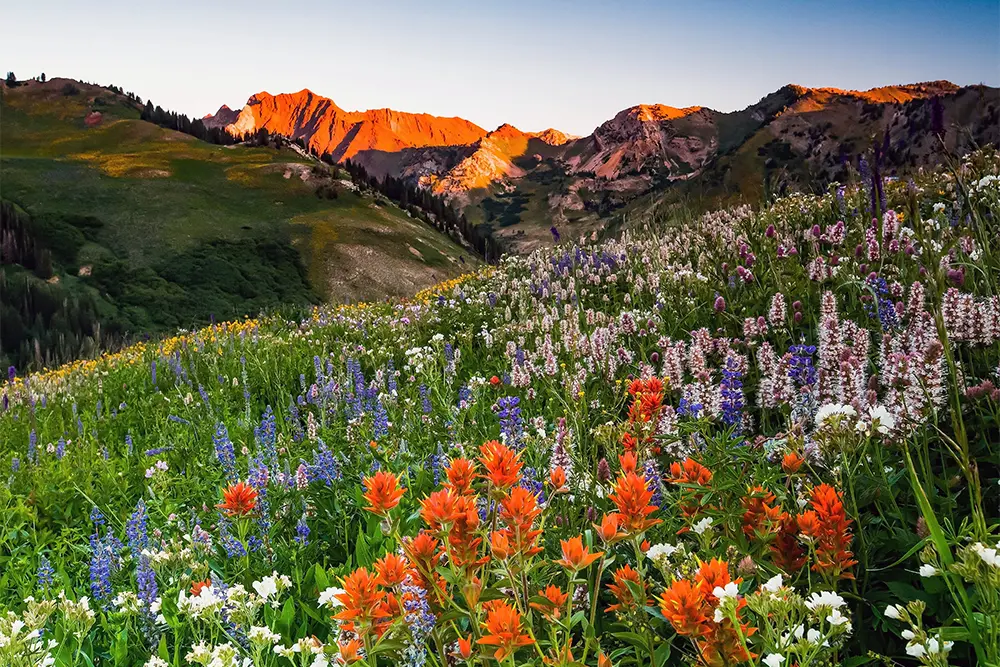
x,y
658,112
882,94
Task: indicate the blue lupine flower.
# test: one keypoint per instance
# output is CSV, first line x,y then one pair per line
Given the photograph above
x,y
419,620
425,397
800,366
204,396
15,464
33,446
136,529
11,373
267,438
146,581
532,482
324,466
381,420
96,517
100,568
511,425
156,451
302,531
128,442
653,481
234,548
45,573
686,408
390,377
882,306
731,390
177,420
464,396
224,451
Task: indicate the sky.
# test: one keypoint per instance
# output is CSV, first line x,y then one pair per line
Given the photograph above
x,y
565,64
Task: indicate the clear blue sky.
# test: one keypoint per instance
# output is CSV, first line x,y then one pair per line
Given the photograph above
x,y
567,64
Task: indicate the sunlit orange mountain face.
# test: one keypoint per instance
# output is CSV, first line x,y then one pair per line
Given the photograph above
x,y
650,155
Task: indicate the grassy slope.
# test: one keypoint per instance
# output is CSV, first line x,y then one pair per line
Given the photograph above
x,y
160,192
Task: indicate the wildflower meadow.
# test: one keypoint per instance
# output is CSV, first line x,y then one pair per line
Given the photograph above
x,y
761,437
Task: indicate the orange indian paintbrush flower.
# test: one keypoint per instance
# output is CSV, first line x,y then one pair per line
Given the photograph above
x,y
361,597
828,526
461,473
238,499
503,627
684,606
350,651
438,509
503,465
608,528
392,569
791,462
554,601
383,492
464,648
500,545
576,557
690,472
632,497
623,591
557,480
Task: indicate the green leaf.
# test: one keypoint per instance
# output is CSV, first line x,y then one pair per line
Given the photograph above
x,y
321,578
632,638
283,626
857,660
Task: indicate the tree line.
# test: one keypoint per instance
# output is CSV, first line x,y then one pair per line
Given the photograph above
x,y
433,209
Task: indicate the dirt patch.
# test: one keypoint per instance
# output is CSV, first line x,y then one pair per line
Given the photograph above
x,y
93,119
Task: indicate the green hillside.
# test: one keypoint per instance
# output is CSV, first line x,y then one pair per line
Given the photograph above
x,y
151,229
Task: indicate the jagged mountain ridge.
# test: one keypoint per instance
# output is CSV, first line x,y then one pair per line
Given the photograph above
x,y
801,134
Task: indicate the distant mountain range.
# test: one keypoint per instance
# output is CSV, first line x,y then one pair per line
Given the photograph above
x,y
523,182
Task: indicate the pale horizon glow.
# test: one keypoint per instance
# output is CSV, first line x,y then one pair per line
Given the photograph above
x,y
535,65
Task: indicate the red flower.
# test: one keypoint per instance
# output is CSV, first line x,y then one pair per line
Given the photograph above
x,y
495,381
628,462
464,645
503,467
828,526
361,598
608,530
438,509
575,556
625,579
632,497
555,601
791,462
463,538
238,499
684,606
500,545
461,473
392,569
503,625
519,511
786,552
350,652
557,480
197,587
383,492
690,472
761,518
